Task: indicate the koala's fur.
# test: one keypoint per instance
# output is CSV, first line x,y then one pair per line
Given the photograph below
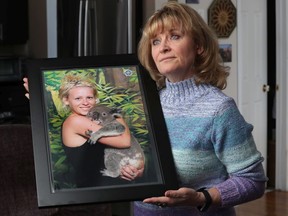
x,y
114,158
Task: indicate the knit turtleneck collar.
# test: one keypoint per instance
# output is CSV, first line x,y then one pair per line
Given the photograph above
x,y
183,91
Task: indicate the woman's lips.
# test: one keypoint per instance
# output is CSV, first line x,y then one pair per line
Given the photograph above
x,y
167,58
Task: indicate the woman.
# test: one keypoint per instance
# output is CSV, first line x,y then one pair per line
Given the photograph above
x,y
79,95
216,159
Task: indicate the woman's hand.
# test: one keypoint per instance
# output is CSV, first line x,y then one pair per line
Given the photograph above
x,y
130,173
180,197
25,84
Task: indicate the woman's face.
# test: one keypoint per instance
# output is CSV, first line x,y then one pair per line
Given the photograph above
x,y
80,100
173,53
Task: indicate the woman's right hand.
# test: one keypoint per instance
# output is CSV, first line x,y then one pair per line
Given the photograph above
x,y
25,84
130,172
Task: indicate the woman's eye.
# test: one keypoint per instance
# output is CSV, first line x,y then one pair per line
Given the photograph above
x,y
155,42
175,37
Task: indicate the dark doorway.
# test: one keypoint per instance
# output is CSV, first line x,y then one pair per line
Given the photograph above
x,y
271,73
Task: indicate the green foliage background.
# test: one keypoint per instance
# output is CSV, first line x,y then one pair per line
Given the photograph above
x,y
128,99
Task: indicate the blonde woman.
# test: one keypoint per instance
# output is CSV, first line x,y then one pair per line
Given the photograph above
x,y
217,162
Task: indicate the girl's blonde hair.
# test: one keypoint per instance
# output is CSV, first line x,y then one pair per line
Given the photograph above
x,y
208,65
70,81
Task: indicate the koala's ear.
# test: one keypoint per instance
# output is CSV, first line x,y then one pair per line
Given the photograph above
x,y
117,115
115,110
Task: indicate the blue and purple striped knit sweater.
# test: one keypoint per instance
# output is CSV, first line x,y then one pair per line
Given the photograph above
x,y
212,146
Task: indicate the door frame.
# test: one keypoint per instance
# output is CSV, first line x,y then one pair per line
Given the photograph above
x,y
281,96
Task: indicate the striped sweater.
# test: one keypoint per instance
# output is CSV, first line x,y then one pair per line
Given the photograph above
x,y
212,146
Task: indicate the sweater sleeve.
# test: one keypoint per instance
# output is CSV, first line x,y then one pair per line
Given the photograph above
x,y
235,147
238,189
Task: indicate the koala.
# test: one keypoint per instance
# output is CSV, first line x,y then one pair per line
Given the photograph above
x,y
105,117
114,158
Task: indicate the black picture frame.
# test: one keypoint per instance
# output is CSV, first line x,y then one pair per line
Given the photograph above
x,y
159,174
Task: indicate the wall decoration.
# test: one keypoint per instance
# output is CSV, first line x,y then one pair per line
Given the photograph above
x,y
225,51
222,17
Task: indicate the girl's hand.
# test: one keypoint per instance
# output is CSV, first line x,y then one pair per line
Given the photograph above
x,y
25,84
130,173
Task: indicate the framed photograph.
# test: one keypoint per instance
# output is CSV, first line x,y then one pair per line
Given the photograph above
x,y
98,131
225,51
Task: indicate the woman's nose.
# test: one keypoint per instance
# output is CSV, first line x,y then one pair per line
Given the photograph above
x,y
85,101
164,47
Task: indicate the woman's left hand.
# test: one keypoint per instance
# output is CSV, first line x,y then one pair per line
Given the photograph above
x,y
130,173
180,197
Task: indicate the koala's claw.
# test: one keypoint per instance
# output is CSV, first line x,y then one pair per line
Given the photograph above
x,y
92,142
88,132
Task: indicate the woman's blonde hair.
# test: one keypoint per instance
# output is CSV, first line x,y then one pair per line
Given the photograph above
x,y
71,81
208,65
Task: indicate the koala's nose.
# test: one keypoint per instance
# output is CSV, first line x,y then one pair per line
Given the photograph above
x,y
96,115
